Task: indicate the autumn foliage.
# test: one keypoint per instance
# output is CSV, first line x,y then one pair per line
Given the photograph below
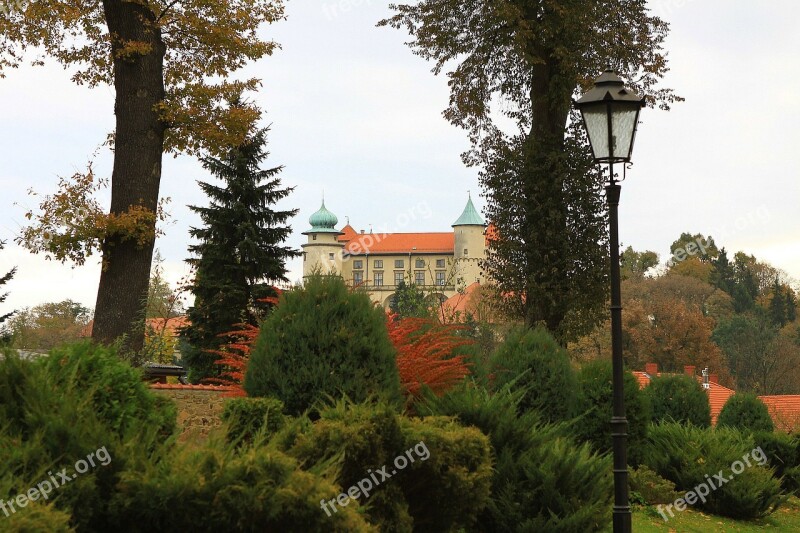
x,y
234,355
425,354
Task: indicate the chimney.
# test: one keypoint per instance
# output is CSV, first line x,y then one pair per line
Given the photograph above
x,y
689,370
713,378
705,378
362,232
651,369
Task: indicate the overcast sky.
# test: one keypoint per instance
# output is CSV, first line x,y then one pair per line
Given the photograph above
x,y
356,115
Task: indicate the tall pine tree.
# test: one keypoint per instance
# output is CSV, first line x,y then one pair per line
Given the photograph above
x,y
240,255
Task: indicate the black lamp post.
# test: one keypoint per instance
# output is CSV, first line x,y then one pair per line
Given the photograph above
x,y
610,114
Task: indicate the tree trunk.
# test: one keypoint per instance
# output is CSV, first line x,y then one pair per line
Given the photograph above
x,y
138,148
547,276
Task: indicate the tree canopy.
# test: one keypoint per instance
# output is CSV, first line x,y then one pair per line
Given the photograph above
x,y
522,62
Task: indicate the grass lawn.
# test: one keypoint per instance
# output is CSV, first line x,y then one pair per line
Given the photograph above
x,y
786,518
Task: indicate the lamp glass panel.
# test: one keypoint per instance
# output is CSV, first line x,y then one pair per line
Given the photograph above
x,y
596,120
623,128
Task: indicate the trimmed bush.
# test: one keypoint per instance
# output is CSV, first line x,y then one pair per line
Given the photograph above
x,y
217,488
532,360
651,488
323,340
678,398
542,480
247,417
744,411
444,492
594,401
690,456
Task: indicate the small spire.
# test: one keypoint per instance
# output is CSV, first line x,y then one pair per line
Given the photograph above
x,y
347,218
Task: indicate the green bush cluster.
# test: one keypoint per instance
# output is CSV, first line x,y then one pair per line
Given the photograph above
x,y
444,492
58,409
323,340
543,480
533,361
678,398
246,418
219,487
689,456
744,411
594,402
784,457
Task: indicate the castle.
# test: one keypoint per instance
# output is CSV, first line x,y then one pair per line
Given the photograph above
x,y
439,263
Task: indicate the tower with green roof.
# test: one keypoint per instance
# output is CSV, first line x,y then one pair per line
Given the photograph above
x,y
323,251
470,244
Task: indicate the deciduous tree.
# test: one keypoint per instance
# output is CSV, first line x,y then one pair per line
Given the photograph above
x,y
169,63
544,198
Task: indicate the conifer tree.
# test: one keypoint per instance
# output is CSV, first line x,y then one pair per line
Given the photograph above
x,y
240,255
3,280
777,305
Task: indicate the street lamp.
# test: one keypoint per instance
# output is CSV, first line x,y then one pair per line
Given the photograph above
x,y
610,114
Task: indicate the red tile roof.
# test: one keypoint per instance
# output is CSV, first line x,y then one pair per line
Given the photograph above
x,y
784,410
401,243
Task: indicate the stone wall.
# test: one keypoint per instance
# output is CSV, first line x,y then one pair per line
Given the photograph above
x,y
199,407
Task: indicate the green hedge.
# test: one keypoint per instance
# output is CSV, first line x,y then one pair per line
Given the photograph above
x,y
690,456
444,492
543,480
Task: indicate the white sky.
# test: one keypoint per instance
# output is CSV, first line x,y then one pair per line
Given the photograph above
x,y
356,115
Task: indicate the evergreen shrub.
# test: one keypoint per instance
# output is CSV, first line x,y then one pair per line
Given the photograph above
x,y
689,456
323,340
678,398
246,417
744,411
594,404
532,360
543,480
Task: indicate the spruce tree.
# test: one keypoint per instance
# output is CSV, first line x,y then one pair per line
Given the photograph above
x,y
777,305
240,255
4,337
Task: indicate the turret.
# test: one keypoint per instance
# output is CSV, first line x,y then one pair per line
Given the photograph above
x,y
470,244
323,251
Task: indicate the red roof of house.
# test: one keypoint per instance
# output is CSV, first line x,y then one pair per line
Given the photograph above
x,y
400,243
784,410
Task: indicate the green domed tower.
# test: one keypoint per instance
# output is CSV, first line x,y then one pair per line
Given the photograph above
x,y
470,245
323,251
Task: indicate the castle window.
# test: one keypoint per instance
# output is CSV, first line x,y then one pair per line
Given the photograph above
x,y
399,263
440,277
466,252
358,278
313,237
378,263
331,256
358,264
420,263
419,277
305,256
378,279
398,277
440,263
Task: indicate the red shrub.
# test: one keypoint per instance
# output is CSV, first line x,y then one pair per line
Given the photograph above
x,y
425,354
